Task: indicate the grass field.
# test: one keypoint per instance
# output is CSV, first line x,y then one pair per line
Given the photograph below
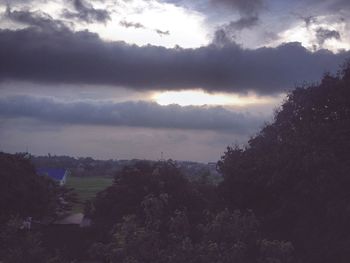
x,y
86,188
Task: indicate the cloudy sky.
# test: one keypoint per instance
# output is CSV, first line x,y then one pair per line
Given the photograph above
x,y
128,79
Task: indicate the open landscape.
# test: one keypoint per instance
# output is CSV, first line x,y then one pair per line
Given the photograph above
x,y
174,131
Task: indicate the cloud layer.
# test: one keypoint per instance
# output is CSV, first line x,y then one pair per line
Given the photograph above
x,y
131,114
58,55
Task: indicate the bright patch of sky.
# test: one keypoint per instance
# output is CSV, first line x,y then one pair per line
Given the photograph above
x,y
165,24
306,35
182,27
199,98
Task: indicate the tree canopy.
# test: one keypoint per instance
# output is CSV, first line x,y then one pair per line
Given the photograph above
x,y
295,172
25,194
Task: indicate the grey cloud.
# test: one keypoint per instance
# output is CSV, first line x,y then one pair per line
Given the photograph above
x,y
35,18
62,56
339,5
137,25
131,24
227,33
10,3
244,7
87,13
222,38
321,8
275,15
108,142
242,23
132,114
308,19
162,33
248,11
323,34
269,35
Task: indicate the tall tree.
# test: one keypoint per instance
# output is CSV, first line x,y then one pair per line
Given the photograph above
x,y
295,172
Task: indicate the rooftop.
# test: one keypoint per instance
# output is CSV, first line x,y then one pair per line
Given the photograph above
x,y
54,173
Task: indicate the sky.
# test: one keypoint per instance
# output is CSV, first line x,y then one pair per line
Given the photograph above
x,y
123,79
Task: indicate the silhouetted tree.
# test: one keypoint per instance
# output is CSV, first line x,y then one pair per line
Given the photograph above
x,y
295,173
23,193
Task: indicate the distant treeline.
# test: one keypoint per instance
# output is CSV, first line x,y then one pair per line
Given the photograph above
x,y
90,167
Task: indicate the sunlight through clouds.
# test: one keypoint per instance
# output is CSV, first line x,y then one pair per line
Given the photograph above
x,y
136,71
307,35
185,27
198,98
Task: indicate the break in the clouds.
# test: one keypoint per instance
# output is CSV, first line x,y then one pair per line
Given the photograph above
x,y
245,7
132,114
62,56
251,23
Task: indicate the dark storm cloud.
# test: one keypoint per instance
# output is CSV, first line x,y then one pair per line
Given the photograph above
x,y
62,56
84,11
35,19
133,114
323,34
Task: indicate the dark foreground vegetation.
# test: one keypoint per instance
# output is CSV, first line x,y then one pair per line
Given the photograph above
x,y
284,198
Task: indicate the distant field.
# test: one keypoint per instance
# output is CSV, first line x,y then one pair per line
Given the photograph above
x,y
87,187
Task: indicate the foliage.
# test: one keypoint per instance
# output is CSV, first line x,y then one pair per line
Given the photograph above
x,y
25,194
171,223
19,245
226,237
134,183
295,172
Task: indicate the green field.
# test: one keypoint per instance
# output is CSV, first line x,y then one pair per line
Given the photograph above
x,y
86,188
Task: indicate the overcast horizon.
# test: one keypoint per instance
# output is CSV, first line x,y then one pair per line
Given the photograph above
x,y
133,78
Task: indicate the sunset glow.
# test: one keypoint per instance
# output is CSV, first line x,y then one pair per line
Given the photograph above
x,y
198,98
